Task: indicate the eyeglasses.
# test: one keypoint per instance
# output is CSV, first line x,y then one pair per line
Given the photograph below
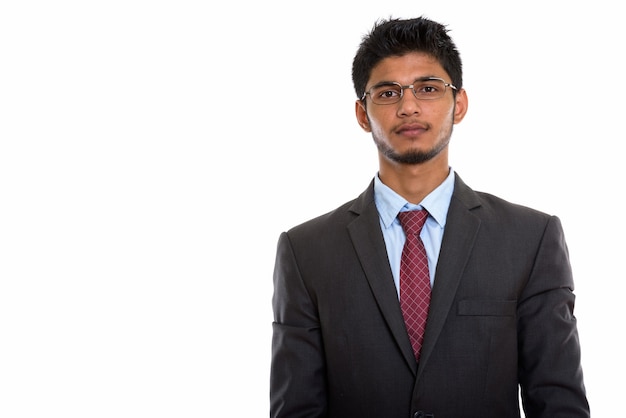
x,y
427,88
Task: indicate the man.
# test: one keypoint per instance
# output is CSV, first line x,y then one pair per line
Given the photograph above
x,y
496,284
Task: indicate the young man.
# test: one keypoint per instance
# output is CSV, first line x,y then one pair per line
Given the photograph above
x,y
495,287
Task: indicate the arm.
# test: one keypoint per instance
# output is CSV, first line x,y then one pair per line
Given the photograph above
x,y
549,353
297,382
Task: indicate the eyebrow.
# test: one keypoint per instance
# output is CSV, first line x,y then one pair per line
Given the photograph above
x,y
389,83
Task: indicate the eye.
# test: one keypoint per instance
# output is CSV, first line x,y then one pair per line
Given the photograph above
x,y
387,93
429,88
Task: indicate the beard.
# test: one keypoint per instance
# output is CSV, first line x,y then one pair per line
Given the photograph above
x,y
414,156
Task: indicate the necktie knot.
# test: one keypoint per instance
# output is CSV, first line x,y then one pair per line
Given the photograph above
x,y
413,221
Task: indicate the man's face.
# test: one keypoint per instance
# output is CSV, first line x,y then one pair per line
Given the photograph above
x,y
411,131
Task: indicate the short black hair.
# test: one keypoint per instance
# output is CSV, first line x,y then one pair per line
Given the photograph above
x,y
397,37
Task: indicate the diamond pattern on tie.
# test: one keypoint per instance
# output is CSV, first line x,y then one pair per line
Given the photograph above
x,y
414,278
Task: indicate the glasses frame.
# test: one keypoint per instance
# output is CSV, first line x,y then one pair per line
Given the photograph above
x,y
412,87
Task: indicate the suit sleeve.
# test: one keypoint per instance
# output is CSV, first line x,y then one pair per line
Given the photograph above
x,y
550,360
297,380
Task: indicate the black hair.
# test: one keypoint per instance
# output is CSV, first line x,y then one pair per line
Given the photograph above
x,y
397,37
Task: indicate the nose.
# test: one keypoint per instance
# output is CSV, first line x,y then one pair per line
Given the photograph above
x,y
409,104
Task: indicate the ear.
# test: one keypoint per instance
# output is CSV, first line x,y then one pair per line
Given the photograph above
x,y
361,116
460,106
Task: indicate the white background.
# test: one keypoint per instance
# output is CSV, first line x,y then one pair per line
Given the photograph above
x,y
142,142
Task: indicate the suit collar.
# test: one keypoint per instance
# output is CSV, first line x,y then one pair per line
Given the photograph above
x,y
390,203
462,192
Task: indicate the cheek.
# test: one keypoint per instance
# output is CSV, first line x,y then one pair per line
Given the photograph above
x,y
442,118
382,138
376,122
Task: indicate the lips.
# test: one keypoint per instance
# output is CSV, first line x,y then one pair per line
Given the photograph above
x,y
411,129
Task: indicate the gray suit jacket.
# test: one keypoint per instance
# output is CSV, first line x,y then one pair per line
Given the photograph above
x,y
501,314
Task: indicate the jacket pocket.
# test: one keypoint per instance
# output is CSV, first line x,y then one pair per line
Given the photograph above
x,y
473,307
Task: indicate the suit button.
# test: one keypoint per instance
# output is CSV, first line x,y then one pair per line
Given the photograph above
x,y
418,414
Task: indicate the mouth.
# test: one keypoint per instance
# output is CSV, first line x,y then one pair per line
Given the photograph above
x,y
411,129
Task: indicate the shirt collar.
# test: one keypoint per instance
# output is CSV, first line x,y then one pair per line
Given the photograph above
x,y
390,203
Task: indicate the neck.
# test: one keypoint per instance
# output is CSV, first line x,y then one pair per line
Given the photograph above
x,y
413,181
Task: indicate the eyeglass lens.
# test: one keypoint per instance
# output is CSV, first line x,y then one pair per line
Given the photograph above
x,y
428,89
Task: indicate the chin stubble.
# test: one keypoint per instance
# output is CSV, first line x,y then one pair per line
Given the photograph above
x,y
412,157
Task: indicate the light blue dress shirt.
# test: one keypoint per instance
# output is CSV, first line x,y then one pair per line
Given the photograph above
x,y
389,204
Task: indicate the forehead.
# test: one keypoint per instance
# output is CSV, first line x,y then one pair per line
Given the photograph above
x,y
407,68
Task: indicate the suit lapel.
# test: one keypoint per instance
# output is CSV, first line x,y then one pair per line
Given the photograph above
x,y
458,240
461,229
369,244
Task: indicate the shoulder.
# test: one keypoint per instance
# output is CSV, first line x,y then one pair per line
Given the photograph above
x,y
500,216
340,217
337,218
485,204
496,205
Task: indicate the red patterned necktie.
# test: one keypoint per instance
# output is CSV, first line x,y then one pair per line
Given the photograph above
x,y
414,278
